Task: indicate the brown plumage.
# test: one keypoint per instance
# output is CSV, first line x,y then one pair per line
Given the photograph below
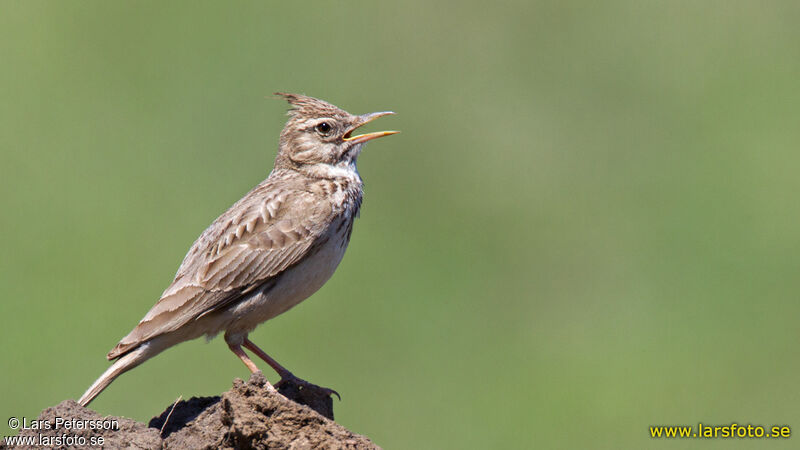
x,y
272,249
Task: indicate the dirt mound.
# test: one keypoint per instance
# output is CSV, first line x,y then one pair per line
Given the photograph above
x,y
247,416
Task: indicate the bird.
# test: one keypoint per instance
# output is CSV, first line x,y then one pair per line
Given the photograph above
x,y
271,250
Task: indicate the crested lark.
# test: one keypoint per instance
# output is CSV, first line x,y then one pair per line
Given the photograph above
x,y
271,250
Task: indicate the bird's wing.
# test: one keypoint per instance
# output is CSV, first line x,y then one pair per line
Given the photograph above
x,y
263,234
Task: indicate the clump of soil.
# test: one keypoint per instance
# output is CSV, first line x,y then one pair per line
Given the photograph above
x,y
248,416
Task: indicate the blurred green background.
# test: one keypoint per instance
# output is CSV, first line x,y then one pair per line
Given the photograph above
x,y
589,224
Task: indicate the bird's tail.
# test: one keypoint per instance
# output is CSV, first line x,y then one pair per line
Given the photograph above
x,y
120,366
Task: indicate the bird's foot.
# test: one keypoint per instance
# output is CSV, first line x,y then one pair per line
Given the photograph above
x,y
290,382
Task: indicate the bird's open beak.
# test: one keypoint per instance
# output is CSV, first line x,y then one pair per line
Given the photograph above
x,y
363,120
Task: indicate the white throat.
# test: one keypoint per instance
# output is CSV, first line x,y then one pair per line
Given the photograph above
x,y
348,172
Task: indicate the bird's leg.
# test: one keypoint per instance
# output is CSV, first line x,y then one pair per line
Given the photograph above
x,y
237,350
235,344
284,373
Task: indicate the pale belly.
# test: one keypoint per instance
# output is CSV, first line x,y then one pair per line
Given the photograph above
x,y
292,287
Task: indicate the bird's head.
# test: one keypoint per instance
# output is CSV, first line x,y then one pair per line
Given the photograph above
x,y
320,134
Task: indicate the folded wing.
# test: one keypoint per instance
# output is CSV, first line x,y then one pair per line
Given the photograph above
x,y
266,232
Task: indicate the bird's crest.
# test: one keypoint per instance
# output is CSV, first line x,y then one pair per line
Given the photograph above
x,y
305,106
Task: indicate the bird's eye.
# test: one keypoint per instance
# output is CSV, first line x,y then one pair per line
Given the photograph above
x,y
323,128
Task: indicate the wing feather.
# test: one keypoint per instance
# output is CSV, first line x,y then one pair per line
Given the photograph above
x,y
263,234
